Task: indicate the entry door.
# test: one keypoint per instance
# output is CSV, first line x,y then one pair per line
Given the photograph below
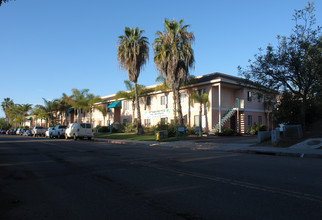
x,y
233,122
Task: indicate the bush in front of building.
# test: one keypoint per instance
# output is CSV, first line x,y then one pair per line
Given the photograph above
x,y
255,129
171,128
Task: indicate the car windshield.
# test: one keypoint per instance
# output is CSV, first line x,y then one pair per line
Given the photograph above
x,y
88,126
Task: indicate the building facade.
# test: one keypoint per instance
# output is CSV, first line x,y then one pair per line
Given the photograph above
x,y
231,105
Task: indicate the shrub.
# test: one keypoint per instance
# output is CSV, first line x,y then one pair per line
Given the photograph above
x,y
255,129
171,128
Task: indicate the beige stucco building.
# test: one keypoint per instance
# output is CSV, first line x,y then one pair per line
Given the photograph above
x,y
230,104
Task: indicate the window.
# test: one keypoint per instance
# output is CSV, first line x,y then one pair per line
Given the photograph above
x,y
250,120
260,120
147,122
164,100
88,126
249,96
196,120
164,120
126,105
182,95
259,97
82,125
148,100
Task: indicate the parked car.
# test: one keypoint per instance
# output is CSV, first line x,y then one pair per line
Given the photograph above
x,y
38,131
58,131
27,133
20,131
49,131
79,130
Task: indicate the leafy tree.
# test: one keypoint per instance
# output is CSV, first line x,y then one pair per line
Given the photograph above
x,y
48,110
23,110
78,100
295,64
132,54
39,112
104,110
129,95
3,1
6,105
92,101
202,99
173,58
63,106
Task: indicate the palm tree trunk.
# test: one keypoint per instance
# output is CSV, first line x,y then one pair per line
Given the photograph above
x,y
90,116
133,112
175,106
138,108
180,118
200,120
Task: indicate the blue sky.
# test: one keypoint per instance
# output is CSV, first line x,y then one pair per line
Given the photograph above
x,y
49,47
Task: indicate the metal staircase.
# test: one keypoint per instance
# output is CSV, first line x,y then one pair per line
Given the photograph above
x,y
227,115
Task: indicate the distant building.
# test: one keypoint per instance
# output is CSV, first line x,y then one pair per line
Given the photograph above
x,y
231,105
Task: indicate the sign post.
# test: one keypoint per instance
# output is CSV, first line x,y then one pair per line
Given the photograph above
x,y
181,129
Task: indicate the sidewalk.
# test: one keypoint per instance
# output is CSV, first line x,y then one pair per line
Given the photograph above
x,y
229,145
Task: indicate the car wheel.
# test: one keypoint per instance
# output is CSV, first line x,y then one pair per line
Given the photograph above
x,y
75,137
58,136
51,136
89,138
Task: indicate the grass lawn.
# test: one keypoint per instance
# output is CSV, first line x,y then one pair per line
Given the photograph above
x,y
126,136
144,137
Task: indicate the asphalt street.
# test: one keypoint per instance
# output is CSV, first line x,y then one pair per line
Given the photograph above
x,y
65,179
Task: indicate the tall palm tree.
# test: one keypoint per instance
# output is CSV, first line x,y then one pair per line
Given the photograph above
x,y
202,99
78,100
173,56
93,101
63,106
3,1
129,95
39,113
104,110
24,109
132,54
6,105
50,109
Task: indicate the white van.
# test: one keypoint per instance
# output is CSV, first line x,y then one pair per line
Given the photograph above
x,y
79,130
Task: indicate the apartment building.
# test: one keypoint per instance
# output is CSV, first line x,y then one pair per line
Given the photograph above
x,y
231,105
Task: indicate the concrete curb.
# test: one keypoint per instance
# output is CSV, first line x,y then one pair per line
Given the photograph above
x,y
238,149
277,153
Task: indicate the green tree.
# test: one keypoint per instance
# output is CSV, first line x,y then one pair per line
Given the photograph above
x,y
104,110
173,56
23,111
295,64
63,106
78,100
129,95
132,54
202,99
6,105
49,109
39,113
3,1
93,103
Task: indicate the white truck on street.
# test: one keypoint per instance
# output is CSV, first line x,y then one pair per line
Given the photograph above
x,y
58,131
38,131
